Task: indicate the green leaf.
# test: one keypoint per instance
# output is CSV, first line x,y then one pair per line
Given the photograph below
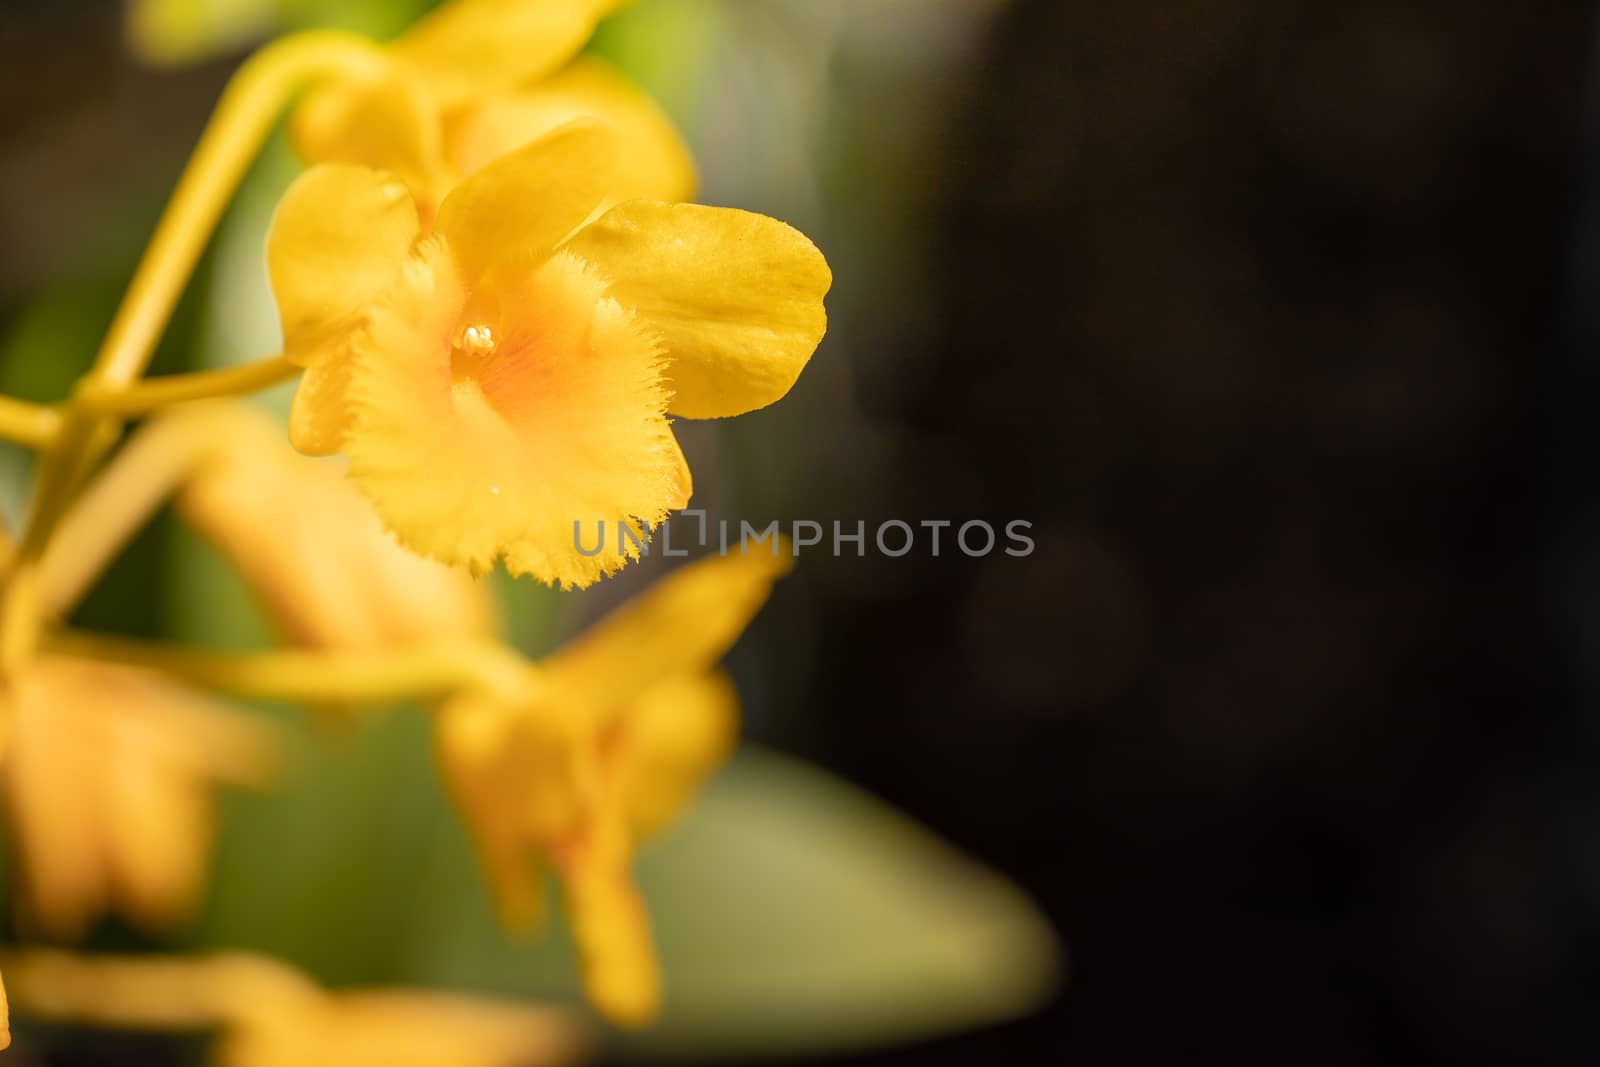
x,y
794,912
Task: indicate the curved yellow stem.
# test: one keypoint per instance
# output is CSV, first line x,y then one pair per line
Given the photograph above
x,y
246,113
21,619
151,394
150,992
419,673
34,425
244,116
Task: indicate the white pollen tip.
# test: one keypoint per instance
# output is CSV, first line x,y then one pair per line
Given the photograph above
x,y
477,339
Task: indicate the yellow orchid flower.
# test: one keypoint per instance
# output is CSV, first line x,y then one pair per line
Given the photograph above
x,y
106,778
313,551
271,1015
509,375
615,733
401,1028
480,78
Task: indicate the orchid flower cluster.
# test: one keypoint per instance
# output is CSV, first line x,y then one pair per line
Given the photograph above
x,y
495,291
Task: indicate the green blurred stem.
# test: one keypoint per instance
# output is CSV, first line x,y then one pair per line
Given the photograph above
x,y
34,425
152,394
419,673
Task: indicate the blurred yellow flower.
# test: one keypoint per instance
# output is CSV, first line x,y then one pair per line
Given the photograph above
x,y
400,1028
107,778
272,1016
508,376
312,549
616,731
480,78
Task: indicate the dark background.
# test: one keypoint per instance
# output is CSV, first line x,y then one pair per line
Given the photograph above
x,y
1275,320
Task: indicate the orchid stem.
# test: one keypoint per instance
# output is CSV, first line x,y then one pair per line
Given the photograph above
x,y
246,113
420,673
33,425
122,497
151,394
151,993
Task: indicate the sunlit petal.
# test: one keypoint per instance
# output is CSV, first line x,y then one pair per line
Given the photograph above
x,y
616,952
389,122
735,297
332,249
680,626
513,212
315,553
674,735
107,783
654,162
474,46
319,415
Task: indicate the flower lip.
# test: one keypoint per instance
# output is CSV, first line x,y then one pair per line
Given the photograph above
x,y
563,418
